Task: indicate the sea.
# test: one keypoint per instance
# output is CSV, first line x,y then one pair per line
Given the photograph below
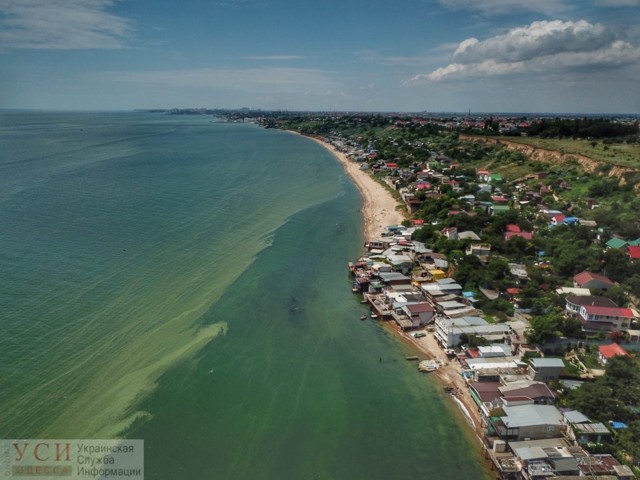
x,y
183,280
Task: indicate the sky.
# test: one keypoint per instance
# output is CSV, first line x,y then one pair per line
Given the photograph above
x,y
561,56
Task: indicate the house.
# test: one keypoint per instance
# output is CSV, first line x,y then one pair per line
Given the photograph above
x,y
570,221
484,175
616,243
413,203
498,209
448,331
592,281
484,187
413,315
394,279
530,422
509,235
605,318
545,369
583,430
537,393
606,352
381,245
519,271
484,393
573,303
494,350
468,235
431,275
605,466
440,288
634,252
450,233
401,263
480,250
589,224
557,219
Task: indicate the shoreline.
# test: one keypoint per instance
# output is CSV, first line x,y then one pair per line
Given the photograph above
x,y
380,210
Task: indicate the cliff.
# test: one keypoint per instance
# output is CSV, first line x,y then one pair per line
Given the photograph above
x,y
554,156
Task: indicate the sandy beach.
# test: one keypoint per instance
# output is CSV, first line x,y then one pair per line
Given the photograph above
x,y
379,209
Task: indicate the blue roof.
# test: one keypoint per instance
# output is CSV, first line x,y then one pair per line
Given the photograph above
x,y
570,220
618,425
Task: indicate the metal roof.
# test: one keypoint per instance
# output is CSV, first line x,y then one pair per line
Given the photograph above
x,y
547,362
530,415
573,416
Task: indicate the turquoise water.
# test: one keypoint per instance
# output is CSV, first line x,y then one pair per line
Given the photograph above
x,y
184,281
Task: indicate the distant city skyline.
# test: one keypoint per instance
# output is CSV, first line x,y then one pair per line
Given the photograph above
x,y
579,56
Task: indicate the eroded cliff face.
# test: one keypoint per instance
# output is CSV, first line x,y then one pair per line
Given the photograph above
x,y
555,157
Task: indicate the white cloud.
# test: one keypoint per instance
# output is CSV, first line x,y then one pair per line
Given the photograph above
x,y
548,7
62,24
535,40
542,47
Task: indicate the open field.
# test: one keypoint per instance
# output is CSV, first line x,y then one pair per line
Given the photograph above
x,y
620,154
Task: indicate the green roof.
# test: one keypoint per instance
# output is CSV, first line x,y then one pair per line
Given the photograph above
x,y
496,177
634,243
616,243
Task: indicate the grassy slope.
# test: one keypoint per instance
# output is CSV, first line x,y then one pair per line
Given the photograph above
x,y
622,154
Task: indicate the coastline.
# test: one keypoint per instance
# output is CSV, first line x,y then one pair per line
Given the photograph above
x,y
380,210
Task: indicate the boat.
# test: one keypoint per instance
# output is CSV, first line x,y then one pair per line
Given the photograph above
x,y
412,357
374,315
363,317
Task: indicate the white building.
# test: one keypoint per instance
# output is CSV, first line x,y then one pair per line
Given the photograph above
x,y
449,330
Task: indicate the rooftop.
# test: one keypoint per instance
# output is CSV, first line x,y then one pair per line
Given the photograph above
x,y
547,362
527,415
610,351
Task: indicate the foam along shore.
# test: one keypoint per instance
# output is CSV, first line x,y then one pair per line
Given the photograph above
x,y
379,208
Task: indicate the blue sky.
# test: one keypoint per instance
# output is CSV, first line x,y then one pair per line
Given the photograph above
x,y
407,55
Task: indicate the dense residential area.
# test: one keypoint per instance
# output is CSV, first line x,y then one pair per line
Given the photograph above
x,y
522,263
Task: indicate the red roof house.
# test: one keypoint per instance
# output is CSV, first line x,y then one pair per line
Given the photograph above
x,y
592,281
509,235
595,317
634,252
606,352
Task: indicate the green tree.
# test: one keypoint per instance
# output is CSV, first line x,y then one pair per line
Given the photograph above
x,y
571,327
544,328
